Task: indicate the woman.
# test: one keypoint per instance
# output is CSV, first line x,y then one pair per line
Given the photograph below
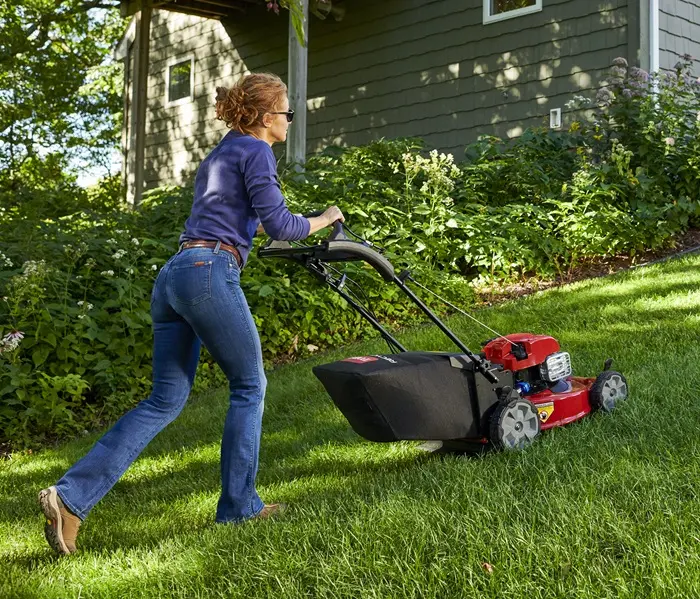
x,y
197,296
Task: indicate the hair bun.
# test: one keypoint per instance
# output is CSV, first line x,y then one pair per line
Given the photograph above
x,y
221,94
241,107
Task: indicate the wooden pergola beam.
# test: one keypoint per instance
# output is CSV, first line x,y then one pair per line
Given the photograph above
x,y
297,84
138,106
213,9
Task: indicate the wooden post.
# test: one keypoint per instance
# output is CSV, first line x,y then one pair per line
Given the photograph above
x,y
135,175
297,73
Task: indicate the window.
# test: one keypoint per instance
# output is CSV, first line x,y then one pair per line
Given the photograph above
x,y
179,81
498,10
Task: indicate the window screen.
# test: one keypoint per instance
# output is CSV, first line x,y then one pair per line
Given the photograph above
x,y
180,78
500,6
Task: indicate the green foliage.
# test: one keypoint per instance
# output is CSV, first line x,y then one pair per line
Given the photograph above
x,y
77,267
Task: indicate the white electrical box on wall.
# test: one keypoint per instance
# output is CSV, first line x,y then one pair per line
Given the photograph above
x,y
555,118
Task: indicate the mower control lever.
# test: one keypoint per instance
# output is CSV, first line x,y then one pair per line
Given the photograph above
x,y
338,234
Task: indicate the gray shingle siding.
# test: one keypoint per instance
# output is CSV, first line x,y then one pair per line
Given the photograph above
x,y
427,68
679,32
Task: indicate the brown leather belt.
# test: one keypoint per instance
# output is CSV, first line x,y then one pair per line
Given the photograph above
x,y
201,243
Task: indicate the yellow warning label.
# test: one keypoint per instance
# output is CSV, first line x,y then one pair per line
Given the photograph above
x,y
545,410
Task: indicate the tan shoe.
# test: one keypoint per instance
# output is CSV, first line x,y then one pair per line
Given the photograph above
x,y
271,510
61,528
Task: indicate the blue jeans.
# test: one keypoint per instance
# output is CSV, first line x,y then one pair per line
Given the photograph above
x,y
197,296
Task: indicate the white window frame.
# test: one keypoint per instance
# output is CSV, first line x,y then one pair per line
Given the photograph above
x,y
511,14
172,62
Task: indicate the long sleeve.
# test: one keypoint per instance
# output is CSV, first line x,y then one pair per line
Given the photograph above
x,y
260,175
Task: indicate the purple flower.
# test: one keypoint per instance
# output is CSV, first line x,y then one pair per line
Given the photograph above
x,y
639,74
604,96
618,72
11,341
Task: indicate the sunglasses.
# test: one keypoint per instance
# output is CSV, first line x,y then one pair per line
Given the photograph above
x,y
289,113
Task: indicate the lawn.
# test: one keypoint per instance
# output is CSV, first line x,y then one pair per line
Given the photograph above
x,y
608,507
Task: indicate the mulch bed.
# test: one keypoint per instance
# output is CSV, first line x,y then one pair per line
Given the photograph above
x,y
492,294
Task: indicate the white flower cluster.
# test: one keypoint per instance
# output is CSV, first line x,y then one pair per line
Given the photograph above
x,y
577,102
4,260
439,169
11,341
75,252
107,273
119,254
135,241
33,267
81,303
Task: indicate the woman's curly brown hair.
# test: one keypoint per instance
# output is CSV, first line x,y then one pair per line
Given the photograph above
x,y
242,106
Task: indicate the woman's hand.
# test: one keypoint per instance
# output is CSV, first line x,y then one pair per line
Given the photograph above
x,y
331,215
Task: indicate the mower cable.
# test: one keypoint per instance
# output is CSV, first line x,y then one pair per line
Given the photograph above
x,y
367,304
442,299
366,242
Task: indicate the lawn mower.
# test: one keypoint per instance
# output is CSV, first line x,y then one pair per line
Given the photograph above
x,y
502,397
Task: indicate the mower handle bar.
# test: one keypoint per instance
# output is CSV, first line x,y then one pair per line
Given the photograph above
x,y
338,248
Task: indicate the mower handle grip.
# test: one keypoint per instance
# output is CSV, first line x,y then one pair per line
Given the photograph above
x,y
337,234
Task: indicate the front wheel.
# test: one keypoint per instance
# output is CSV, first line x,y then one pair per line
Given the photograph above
x,y
515,424
609,389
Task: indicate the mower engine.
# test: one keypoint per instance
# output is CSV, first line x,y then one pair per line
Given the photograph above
x,y
542,374
535,359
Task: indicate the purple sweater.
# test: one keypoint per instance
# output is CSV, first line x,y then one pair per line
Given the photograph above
x,y
235,189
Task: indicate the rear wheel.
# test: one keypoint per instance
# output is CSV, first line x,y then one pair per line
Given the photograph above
x,y
609,389
515,424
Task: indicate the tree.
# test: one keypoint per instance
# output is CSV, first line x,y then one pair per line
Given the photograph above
x,y
60,95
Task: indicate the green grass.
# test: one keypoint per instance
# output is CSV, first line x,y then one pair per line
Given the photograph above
x,y
608,507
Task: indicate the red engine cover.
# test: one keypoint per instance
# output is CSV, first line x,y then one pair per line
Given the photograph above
x,y
537,347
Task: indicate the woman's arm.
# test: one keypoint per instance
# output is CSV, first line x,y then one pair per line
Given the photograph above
x,y
316,223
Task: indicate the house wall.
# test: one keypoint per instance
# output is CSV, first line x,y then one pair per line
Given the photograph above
x,y
427,68
179,136
679,32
